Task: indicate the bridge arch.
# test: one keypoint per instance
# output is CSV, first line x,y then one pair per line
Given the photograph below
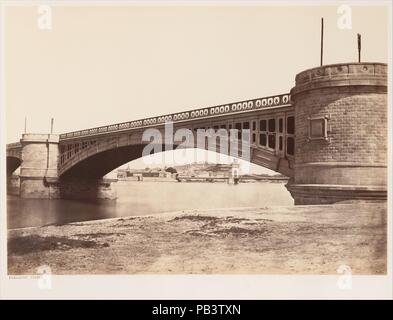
x,y
99,164
304,135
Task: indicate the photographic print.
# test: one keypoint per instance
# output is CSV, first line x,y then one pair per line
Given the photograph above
x,y
193,138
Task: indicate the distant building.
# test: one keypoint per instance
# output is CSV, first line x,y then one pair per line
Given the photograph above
x,y
121,173
141,173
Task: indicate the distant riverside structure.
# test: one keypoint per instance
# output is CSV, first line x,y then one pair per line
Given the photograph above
x,y
209,172
328,135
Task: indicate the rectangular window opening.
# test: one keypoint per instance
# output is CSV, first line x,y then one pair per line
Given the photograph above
x,y
291,125
262,139
272,125
262,125
272,141
280,125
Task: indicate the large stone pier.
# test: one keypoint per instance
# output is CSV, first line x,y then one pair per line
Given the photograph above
x,y
341,133
39,173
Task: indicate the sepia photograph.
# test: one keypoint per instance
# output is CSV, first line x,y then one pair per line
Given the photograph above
x,y
196,139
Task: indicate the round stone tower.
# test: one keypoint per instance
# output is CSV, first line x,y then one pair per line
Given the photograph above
x,y
341,133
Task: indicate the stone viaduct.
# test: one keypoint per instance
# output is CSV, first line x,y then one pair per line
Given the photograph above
x,y
329,135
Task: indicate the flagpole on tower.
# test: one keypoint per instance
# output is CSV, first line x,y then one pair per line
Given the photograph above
x,y
359,46
321,42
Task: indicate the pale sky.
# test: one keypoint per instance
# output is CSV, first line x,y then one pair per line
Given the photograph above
x,y
102,65
107,64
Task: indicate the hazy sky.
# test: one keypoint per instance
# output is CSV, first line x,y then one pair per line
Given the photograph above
x,y
102,65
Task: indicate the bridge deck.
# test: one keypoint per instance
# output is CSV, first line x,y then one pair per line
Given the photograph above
x,y
282,100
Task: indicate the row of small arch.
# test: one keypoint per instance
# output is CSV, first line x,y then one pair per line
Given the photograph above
x,y
241,106
13,145
250,104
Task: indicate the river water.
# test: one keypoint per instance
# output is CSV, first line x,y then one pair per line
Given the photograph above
x,y
144,198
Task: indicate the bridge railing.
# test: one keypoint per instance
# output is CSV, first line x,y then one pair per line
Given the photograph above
x,y
237,107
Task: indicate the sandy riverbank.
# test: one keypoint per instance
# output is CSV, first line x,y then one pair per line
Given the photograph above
x,y
271,240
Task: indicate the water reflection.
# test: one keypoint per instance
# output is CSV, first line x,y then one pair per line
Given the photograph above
x,y
142,198
35,212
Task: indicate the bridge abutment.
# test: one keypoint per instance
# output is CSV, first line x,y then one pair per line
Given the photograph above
x,y
341,129
38,172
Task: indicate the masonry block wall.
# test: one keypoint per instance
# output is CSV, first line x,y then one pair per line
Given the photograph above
x,y
347,159
39,155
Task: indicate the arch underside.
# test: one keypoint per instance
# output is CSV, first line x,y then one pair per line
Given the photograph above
x,y
13,163
98,165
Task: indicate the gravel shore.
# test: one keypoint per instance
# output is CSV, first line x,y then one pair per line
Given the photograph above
x,y
270,240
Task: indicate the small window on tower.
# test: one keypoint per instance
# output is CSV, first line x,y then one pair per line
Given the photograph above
x,y
317,128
